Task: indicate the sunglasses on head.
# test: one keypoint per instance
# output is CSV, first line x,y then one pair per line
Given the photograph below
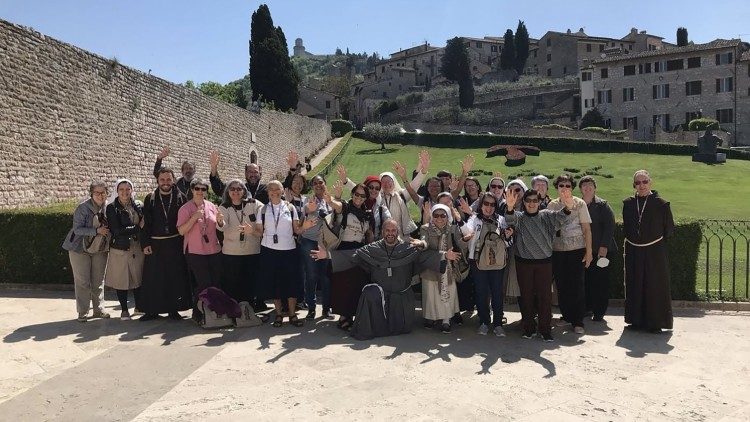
x,y
439,215
641,182
200,189
489,204
564,185
497,186
360,195
235,189
373,187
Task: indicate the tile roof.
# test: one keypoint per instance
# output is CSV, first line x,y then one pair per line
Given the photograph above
x,y
719,43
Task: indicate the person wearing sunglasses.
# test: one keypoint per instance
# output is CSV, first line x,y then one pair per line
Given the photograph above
x,y
88,267
534,233
253,174
197,221
166,287
572,255
356,222
439,290
240,251
488,283
647,220
540,184
603,241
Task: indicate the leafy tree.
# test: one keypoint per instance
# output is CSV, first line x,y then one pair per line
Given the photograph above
x,y
272,75
522,47
592,118
682,37
508,55
455,67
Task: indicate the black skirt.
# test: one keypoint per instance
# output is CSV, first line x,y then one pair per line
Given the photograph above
x,y
166,286
280,274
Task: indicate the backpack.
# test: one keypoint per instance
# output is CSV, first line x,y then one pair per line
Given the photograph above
x,y
490,252
248,317
330,232
462,264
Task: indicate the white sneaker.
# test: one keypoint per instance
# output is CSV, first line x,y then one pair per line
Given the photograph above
x,y
579,330
483,330
499,331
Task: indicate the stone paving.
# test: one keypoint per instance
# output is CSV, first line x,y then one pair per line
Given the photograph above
x,y
55,368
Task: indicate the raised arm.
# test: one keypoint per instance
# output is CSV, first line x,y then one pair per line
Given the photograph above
x,y
401,172
159,158
466,164
216,184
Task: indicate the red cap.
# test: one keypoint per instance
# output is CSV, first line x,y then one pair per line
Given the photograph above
x,y
370,179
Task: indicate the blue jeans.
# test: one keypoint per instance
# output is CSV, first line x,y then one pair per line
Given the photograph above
x,y
488,285
315,271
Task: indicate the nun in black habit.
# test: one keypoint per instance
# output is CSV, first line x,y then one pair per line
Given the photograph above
x,y
386,306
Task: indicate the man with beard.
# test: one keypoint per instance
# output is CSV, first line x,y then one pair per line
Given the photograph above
x,y
187,169
255,189
165,287
386,306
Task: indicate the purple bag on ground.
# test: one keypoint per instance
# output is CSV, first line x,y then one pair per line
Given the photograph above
x,y
216,300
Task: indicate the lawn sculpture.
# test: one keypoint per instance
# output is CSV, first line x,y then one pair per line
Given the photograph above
x,y
515,155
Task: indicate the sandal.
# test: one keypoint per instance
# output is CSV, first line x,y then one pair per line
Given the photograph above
x,y
278,321
345,324
295,321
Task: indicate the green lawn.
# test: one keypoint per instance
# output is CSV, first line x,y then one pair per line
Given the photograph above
x,y
695,190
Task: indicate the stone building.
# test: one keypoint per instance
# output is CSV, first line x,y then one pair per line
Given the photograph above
x,y
318,104
663,89
560,54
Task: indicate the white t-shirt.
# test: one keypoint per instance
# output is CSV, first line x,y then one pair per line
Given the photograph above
x,y
474,225
283,231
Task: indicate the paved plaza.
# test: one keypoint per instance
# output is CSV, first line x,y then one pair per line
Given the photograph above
x,y
55,368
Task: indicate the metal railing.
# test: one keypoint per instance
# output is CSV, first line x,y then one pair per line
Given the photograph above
x,y
726,268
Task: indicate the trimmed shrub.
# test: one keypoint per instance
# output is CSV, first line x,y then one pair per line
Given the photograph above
x,y
379,132
604,131
341,126
552,126
703,124
556,144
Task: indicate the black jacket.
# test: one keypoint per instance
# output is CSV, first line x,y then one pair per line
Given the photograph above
x,y
602,225
121,226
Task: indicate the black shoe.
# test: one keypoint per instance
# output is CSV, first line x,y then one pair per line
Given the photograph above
x,y
445,328
457,319
528,334
148,317
597,318
429,324
547,337
260,306
174,316
310,315
327,314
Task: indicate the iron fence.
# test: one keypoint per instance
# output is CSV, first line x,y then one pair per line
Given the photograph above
x,y
725,271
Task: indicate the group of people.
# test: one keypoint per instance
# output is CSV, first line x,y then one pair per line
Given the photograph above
x,y
300,243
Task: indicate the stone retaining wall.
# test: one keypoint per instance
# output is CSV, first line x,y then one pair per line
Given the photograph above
x,y
68,116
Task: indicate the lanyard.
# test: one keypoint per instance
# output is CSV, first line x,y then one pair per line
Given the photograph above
x,y
276,217
242,219
640,211
389,254
167,209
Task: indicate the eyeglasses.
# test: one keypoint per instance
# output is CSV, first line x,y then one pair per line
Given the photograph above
x,y
374,187
531,200
95,193
360,195
234,189
439,215
641,182
200,189
564,185
497,186
489,204
319,182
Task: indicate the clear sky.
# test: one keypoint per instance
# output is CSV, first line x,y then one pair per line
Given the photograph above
x,y
204,40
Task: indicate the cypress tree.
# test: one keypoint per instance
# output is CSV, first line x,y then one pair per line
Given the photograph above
x,y
522,47
455,67
508,55
272,74
682,37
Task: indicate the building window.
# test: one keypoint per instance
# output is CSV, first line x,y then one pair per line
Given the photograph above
x,y
493,48
549,42
478,44
661,91
693,88
690,116
604,97
549,57
585,76
588,48
628,122
629,70
694,62
601,47
662,120
608,123
549,72
382,69
535,53
630,47
725,115
565,70
385,94
400,73
604,73
660,66
399,87
628,94
724,84
647,68
723,58
328,104
677,64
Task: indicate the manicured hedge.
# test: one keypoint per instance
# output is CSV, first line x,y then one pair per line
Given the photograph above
x,y
30,252
30,247
340,127
703,124
471,140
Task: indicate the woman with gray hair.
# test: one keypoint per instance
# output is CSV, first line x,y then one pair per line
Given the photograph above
x,y
125,263
241,248
540,184
87,246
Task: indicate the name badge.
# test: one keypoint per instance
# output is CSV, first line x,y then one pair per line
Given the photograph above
x,y
390,272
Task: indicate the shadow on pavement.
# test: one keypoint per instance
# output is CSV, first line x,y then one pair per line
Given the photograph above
x,y
638,343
